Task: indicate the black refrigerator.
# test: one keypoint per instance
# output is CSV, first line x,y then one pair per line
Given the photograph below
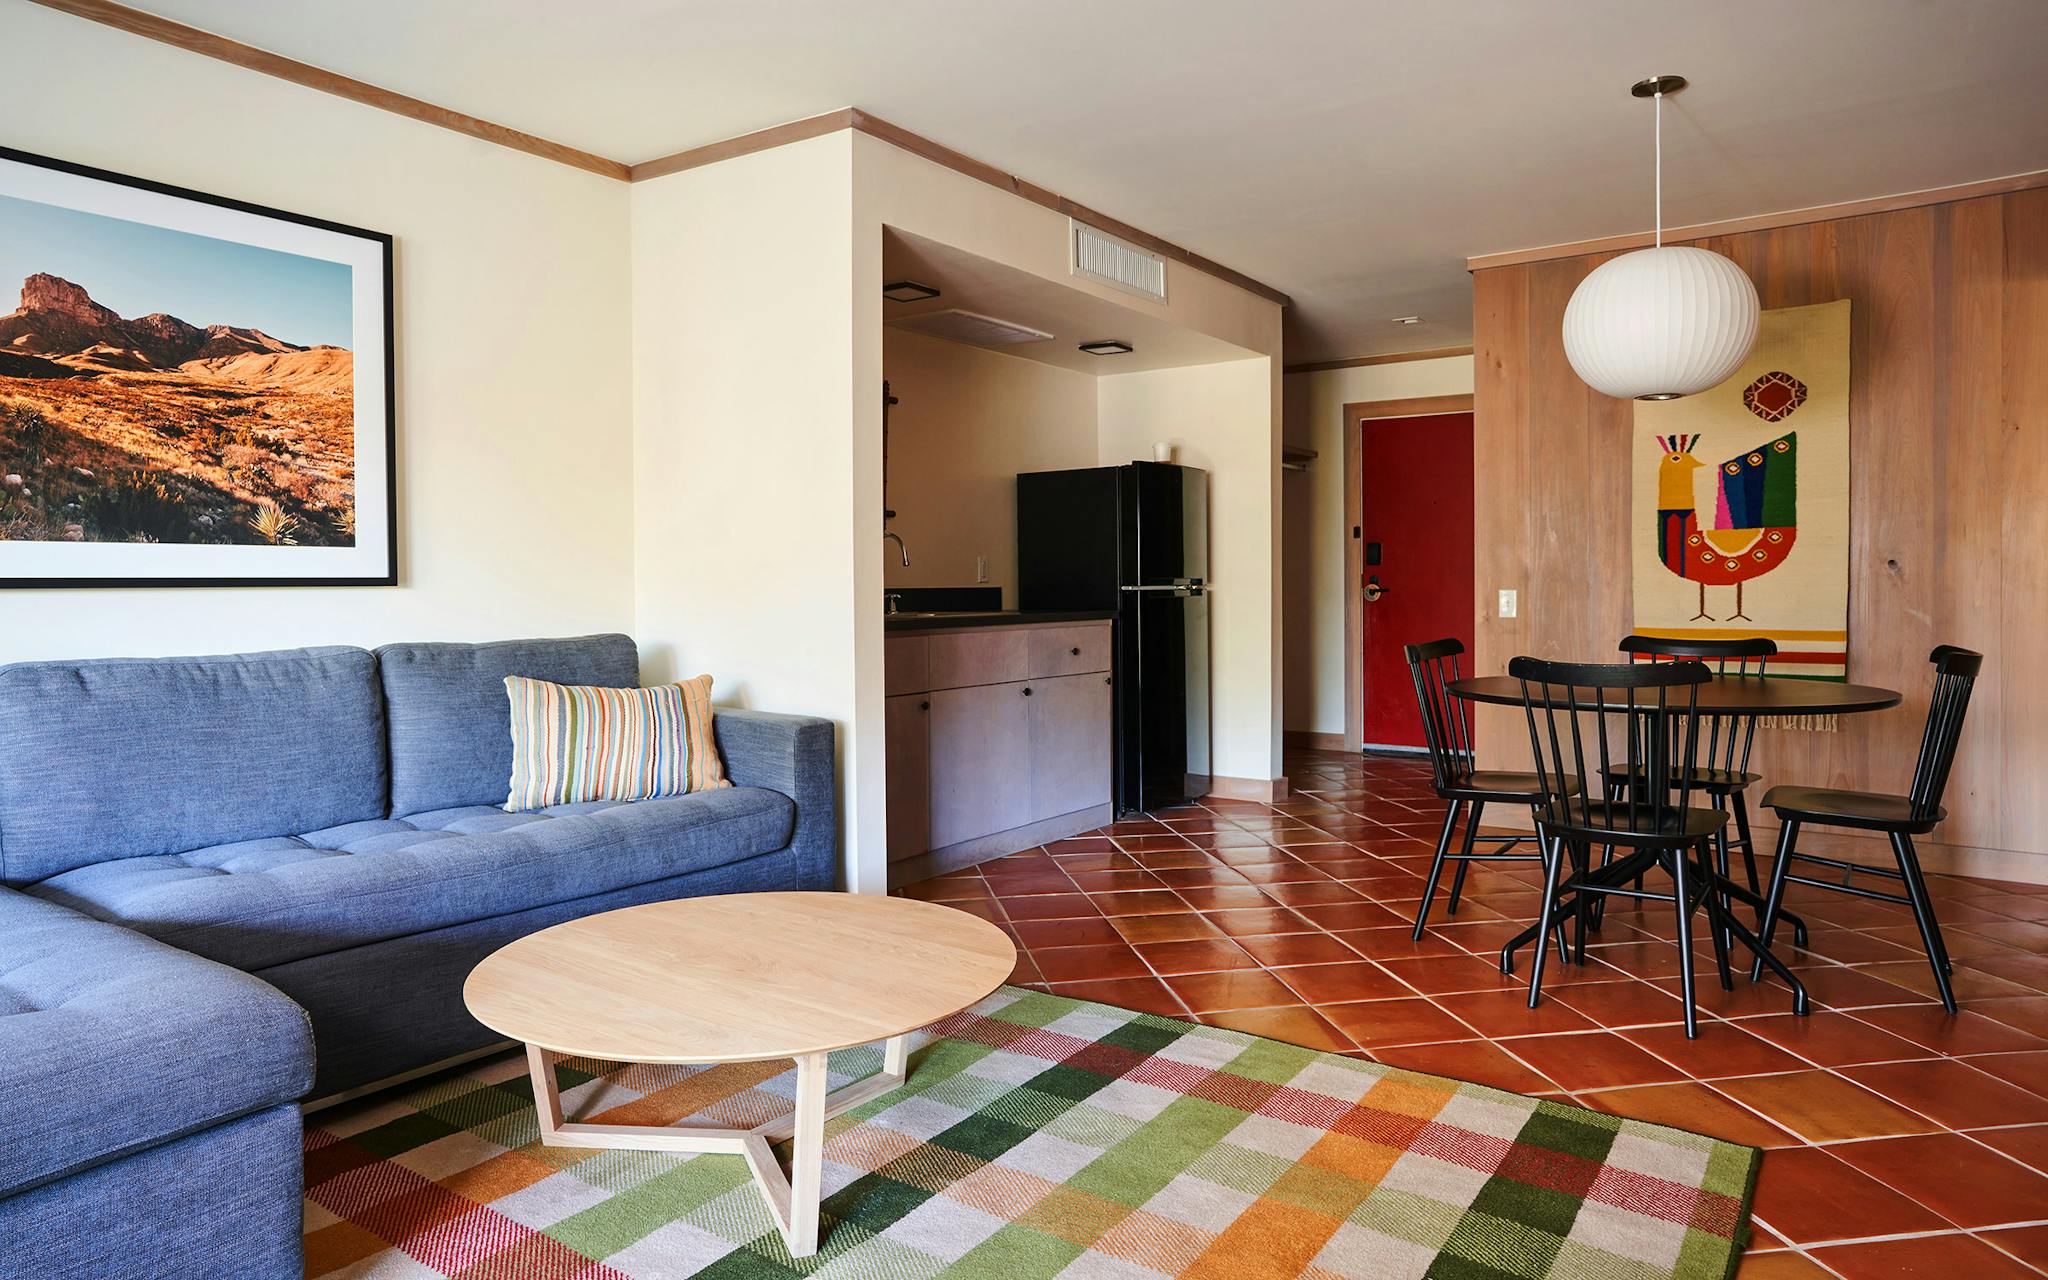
x,y
1133,540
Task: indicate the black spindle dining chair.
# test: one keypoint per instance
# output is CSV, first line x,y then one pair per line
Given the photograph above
x,y
1723,775
1589,720
1447,730
1901,818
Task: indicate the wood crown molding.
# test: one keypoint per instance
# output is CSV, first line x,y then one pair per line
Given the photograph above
x,y
1767,221
194,40
1360,362
1412,407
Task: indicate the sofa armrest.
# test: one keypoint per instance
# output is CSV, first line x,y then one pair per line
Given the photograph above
x,y
793,755
111,1042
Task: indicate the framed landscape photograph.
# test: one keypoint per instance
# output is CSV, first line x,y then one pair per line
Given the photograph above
x,y
194,391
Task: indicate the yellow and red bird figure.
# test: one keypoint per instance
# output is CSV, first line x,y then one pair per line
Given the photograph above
x,y
1755,519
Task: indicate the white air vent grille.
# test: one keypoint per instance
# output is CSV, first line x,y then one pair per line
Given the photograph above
x,y
972,328
1120,264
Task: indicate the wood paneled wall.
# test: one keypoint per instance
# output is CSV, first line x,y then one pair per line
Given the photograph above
x,y
1948,496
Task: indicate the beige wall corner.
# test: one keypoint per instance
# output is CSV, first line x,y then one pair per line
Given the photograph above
x,y
1313,519
1219,417
967,421
745,465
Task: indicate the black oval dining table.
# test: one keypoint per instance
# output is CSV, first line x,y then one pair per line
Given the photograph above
x,y
1721,696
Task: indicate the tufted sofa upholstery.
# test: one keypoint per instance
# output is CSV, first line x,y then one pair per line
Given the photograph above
x,y
210,866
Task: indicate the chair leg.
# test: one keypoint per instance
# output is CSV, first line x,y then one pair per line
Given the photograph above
x,y
1551,862
1775,899
1436,868
1582,864
1465,851
1923,915
1719,913
1721,865
1683,899
1748,841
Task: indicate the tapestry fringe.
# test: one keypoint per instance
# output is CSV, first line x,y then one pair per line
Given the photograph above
x,y
1806,724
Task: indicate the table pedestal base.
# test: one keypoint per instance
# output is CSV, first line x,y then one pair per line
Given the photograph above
x,y
792,1198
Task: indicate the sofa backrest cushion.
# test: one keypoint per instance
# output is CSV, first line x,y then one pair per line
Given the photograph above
x,y
130,757
451,721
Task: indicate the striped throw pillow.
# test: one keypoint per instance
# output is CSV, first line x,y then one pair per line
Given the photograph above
x,y
575,742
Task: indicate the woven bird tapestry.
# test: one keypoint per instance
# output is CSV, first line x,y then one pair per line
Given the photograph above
x,y
1741,500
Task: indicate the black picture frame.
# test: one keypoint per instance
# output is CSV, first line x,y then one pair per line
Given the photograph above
x,y
385,399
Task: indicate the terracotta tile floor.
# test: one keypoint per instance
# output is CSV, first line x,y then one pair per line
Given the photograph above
x,y
1898,1138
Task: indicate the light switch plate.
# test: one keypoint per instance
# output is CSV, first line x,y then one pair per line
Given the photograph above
x,y
981,568
1507,603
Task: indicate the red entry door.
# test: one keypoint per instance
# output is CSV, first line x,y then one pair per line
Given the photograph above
x,y
1416,520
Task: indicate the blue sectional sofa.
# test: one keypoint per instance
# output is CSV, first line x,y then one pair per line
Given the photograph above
x,y
231,883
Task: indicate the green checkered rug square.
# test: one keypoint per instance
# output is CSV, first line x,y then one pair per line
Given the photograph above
x,y
1037,1137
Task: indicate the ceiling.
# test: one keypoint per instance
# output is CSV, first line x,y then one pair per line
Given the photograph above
x,y
971,283
1351,153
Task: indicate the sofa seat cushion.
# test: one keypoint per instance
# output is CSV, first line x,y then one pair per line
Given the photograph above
x,y
258,903
110,1043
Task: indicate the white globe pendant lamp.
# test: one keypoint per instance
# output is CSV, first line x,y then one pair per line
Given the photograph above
x,y
1665,322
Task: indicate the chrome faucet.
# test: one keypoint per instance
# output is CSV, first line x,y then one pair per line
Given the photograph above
x,y
890,535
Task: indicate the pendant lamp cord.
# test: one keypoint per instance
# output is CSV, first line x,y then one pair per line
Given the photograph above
x,y
1659,127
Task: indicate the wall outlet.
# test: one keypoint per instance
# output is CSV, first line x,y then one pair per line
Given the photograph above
x,y
981,568
1507,603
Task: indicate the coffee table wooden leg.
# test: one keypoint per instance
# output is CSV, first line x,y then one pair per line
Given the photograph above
x,y
807,1155
792,1198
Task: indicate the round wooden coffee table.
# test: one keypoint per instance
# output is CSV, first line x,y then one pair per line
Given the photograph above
x,y
739,978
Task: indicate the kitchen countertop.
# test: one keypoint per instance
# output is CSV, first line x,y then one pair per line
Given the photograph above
x,y
988,618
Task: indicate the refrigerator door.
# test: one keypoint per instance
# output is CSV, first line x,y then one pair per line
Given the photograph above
x,y
1164,637
1166,735
1164,533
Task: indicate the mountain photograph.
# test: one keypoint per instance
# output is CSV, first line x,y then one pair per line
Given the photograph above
x,y
158,427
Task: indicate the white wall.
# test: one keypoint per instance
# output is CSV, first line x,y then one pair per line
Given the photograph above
x,y
1314,521
966,423
744,468
1220,417
514,443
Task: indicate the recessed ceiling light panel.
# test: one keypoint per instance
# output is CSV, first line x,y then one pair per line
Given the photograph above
x,y
1107,347
971,327
908,291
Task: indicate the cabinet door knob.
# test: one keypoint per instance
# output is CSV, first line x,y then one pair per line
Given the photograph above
x,y
1105,680
924,706
1076,651
1027,690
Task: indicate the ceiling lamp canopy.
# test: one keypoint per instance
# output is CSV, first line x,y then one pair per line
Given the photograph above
x,y
1660,323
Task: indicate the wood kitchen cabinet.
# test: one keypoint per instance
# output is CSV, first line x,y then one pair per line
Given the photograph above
x,y
1070,744
980,768
907,727
1008,745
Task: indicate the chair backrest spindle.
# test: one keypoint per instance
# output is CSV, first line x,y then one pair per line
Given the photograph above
x,y
1577,711
1730,739
1955,675
1446,721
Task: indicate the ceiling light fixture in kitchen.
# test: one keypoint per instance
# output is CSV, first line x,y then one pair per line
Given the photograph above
x,y
908,291
1107,347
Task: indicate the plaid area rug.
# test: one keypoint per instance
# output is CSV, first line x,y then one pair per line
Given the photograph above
x,y
1038,1136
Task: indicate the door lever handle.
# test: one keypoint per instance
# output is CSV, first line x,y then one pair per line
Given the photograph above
x,y
1374,591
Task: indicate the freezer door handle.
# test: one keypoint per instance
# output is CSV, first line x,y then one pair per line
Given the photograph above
x,y
1179,587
